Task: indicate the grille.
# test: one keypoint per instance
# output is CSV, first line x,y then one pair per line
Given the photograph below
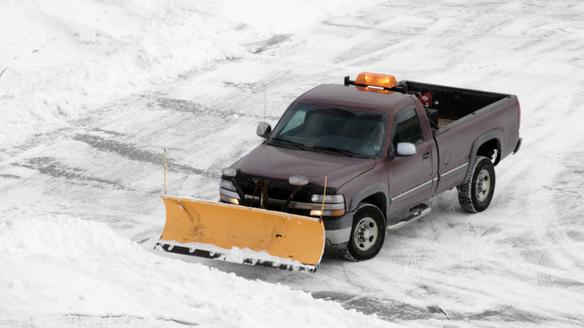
x,y
279,189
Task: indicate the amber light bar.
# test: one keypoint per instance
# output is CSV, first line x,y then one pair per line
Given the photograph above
x,y
376,80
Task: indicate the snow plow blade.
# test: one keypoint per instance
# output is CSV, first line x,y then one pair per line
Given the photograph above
x,y
241,234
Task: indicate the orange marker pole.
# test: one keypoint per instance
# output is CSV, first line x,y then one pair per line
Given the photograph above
x,y
323,196
164,168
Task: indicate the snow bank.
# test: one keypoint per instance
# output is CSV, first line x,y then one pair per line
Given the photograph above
x,y
64,266
60,59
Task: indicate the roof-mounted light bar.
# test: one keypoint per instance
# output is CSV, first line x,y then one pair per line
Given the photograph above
x,y
376,80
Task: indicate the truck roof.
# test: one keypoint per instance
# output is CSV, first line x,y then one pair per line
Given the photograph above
x,y
355,97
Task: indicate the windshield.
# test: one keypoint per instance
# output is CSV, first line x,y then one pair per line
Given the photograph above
x,y
325,129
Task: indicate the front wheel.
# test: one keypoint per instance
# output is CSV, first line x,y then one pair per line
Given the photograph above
x,y
367,233
476,194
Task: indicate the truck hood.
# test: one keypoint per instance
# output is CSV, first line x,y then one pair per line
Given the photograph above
x,y
281,163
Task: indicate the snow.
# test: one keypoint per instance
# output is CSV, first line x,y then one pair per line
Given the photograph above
x,y
93,91
90,271
60,60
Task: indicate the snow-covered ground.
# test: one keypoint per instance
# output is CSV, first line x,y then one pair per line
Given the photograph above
x,y
70,270
92,91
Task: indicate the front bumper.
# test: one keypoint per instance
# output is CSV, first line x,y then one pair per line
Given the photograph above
x,y
338,230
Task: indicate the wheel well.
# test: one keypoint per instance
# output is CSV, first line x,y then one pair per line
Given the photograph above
x,y
378,199
491,149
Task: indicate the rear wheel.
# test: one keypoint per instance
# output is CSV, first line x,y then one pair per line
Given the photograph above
x,y
476,194
367,233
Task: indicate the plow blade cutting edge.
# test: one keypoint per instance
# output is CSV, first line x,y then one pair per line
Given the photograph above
x,y
242,234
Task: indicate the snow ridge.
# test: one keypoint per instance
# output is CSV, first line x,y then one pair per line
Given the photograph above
x,y
61,265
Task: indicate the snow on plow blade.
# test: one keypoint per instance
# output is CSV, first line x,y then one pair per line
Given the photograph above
x,y
242,234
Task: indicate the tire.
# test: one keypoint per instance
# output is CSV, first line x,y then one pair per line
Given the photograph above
x,y
367,233
476,194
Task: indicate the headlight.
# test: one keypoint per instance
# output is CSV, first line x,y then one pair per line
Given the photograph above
x,y
226,184
230,200
228,193
334,205
328,199
327,213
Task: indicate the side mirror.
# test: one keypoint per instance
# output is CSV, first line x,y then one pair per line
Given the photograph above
x,y
406,149
263,130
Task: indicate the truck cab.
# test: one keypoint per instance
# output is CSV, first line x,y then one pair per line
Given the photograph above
x,y
366,156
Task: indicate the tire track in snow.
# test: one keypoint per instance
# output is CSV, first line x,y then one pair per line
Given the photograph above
x,y
72,320
393,310
541,244
52,167
187,106
134,153
271,43
568,201
414,268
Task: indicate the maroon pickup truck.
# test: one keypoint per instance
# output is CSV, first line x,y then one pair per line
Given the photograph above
x,y
385,148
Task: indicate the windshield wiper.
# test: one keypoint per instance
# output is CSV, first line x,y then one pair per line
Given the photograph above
x,y
276,141
345,152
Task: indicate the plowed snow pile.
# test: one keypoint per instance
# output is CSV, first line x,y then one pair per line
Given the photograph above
x,y
57,268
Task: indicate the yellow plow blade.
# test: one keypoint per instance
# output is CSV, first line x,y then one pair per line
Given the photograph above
x,y
242,234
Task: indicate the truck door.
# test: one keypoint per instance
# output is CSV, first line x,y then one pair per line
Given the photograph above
x,y
410,177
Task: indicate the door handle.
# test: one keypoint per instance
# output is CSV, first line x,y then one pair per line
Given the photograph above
x,y
426,155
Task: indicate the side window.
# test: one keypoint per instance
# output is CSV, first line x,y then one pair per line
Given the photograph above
x,y
406,127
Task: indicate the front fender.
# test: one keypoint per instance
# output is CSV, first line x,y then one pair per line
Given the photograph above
x,y
368,191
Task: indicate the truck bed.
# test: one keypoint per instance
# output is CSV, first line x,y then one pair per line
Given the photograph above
x,y
462,119
451,104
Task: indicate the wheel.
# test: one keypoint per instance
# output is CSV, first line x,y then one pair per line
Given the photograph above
x,y
476,194
367,233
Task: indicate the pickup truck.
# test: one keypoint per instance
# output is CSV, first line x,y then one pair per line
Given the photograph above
x,y
367,155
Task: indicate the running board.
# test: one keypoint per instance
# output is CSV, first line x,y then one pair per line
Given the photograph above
x,y
416,213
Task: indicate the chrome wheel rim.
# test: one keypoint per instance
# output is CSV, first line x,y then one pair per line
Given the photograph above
x,y
483,185
365,234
